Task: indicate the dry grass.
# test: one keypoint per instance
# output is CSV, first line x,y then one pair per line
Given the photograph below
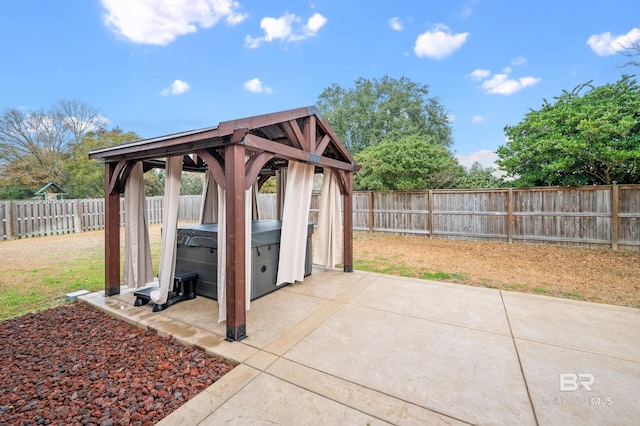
x,y
37,272
595,275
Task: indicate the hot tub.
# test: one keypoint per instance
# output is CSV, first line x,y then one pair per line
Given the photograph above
x,y
198,252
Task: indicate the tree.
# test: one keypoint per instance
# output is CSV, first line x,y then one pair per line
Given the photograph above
x,y
384,109
84,178
35,144
192,183
479,177
578,140
409,163
632,51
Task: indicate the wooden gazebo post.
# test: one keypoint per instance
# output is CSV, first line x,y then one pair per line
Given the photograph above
x,y
235,281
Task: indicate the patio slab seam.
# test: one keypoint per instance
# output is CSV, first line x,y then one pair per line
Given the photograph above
x,y
294,335
570,348
515,347
353,386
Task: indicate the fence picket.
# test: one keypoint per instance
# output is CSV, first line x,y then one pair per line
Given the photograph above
x,y
585,216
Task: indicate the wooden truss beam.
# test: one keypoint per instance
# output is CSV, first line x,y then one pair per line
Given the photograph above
x,y
291,153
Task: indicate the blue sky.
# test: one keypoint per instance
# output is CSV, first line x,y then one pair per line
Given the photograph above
x,y
163,66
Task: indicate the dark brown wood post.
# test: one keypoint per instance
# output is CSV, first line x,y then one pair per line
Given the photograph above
x,y
111,232
347,198
234,172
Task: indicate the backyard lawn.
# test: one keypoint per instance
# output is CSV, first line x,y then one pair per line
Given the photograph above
x,y
37,272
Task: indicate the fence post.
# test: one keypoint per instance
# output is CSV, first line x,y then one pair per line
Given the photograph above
x,y
430,217
510,216
371,199
13,219
615,218
77,216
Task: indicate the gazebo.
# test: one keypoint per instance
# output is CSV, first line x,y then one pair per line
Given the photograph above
x,y
237,155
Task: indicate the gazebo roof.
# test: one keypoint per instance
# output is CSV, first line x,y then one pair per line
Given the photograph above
x,y
297,134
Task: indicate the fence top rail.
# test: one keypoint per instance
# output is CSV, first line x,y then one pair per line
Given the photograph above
x,y
514,189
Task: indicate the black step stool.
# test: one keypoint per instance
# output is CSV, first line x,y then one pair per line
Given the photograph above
x,y
184,288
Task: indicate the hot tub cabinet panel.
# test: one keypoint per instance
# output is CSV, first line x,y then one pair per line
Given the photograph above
x,y
204,262
198,252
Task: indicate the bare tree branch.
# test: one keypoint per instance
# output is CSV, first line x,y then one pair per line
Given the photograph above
x,y
35,144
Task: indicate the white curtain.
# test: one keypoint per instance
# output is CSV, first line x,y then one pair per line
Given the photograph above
x,y
138,269
329,250
222,251
209,207
166,272
295,219
222,255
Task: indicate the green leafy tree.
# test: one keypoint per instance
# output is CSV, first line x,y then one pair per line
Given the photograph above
x,y
154,183
269,187
480,177
84,178
192,183
409,163
14,192
593,138
384,109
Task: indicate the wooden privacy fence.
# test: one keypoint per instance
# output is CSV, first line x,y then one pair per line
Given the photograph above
x,y
595,216
29,218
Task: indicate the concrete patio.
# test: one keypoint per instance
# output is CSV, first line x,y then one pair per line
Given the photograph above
x,y
364,348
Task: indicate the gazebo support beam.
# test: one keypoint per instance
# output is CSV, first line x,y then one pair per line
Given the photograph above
x,y
235,280
111,231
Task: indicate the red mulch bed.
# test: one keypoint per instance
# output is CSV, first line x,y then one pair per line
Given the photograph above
x,y
76,365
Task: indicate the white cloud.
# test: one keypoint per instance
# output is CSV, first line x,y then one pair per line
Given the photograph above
x,y
286,28
159,22
477,119
479,74
520,60
501,84
314,23
606,44
256,86
396,24
485,157
439,42
451,118
178,87
466,12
